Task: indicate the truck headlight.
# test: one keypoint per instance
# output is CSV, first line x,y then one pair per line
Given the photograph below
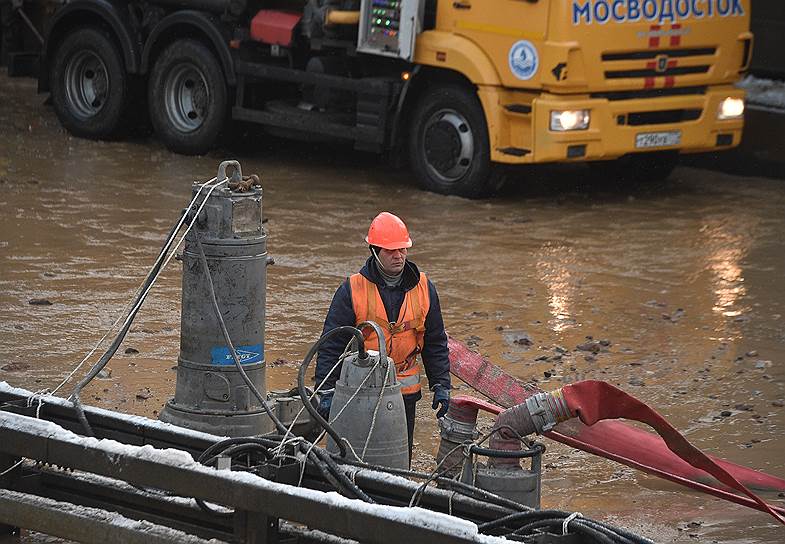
x,y
731,108
569,120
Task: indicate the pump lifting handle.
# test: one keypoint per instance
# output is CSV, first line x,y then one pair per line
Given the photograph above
x,y
237,171
382,341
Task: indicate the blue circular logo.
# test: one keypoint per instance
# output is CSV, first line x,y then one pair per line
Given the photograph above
x,y
523,59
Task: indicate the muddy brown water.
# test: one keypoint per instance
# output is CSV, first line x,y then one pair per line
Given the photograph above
x,y
685,279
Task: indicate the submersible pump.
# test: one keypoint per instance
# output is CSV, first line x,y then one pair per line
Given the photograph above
x,y
225,265
367,410
367,420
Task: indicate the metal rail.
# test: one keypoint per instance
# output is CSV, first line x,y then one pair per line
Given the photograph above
x,y
117,472
84,524
176,473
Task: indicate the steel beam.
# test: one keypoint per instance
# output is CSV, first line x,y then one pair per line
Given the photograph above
x,y
140,431
83,524
174,472
81,489
124,428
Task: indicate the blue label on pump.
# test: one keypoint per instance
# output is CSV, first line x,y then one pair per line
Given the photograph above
x,y
248,354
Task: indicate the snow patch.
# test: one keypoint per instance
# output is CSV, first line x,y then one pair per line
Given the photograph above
x,y
106,517
764,92
418,517
169,456
138,421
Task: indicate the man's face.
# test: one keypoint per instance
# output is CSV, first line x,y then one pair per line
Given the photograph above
x,y
393,260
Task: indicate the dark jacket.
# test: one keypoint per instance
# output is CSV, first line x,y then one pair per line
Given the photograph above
x,y
434,353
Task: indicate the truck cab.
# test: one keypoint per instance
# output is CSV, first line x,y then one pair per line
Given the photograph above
x,y
462,89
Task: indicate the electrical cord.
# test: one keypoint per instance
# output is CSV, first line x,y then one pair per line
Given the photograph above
x,y
326,465
521,521
535,449
319,458
457,486
129,305
146,286
362,354
555,524
594,530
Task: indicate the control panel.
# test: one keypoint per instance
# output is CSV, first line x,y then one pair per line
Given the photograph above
x,y
389,27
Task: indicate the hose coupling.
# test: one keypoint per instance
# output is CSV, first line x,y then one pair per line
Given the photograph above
x,y
548,410
457,431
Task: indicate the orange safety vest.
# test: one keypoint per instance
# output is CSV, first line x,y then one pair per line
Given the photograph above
x,y
405,336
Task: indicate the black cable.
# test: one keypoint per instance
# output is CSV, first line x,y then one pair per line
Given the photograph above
x,y
631,537
223,444
596,531
109,353
344,481
575,527
455,485
328,468
362,354
615,533
233,451
518,516
319,458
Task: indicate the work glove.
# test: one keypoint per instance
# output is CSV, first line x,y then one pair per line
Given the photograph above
x,y
441,400
325,402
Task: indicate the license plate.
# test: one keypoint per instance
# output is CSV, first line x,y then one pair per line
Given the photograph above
x,y
658,139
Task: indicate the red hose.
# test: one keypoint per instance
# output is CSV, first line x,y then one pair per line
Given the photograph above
x,y
613,440
593,401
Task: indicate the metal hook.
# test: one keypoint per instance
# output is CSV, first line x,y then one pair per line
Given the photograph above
x,y
237,173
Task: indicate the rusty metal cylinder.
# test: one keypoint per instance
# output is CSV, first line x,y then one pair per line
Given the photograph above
x,y
367,410
210,394
457,427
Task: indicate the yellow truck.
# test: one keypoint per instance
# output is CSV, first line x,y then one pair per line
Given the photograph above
x,y
464,89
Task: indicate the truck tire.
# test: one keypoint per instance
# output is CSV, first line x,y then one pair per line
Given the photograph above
x,y
89,85
637,168
187,96
448,144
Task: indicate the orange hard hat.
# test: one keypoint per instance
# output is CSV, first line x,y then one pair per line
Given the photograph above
x,y
389,232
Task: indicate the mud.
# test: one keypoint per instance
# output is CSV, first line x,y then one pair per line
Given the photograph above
x,y
674,292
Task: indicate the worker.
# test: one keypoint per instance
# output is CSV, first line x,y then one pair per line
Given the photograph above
x,y
391,291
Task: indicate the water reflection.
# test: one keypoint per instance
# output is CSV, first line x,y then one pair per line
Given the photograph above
x,y
727,249
555,275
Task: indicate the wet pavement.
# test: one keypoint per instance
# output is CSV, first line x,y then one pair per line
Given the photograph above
x,y
683,279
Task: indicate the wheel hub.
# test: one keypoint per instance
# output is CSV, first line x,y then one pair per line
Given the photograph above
x,y
187,97
86,84
448,145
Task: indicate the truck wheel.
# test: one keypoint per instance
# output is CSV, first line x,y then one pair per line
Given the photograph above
x,y
448,144
188,97
89,85
638,168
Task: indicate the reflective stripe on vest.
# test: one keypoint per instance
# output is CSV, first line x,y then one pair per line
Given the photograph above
x,y
404,338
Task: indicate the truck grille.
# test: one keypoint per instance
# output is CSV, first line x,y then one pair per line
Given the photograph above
x,y
649,93
662,117
650,72
654,53
657,67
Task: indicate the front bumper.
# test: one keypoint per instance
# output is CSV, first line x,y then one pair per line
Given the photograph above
x,y
518,136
